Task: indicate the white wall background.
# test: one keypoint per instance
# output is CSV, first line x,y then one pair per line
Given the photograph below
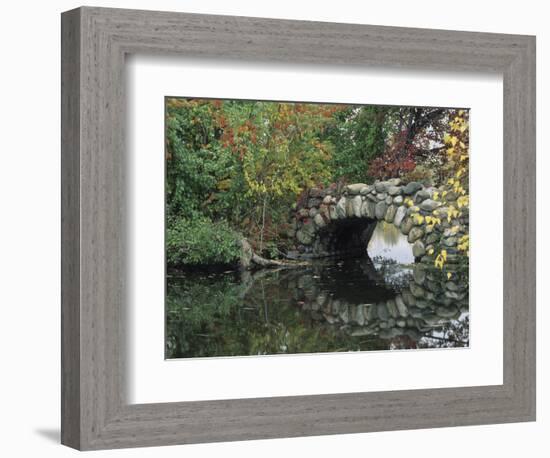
x,y
30,228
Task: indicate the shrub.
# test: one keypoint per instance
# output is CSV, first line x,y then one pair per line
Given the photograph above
x,y
420,173
200,241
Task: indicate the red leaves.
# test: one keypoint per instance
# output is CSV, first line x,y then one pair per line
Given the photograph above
x,y
397,160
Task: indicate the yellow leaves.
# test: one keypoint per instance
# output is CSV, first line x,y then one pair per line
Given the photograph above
x,y
431,251
452,213
463,157
449,275
431,221
435,196
463,201
464,244
450,139
441,259
418,219
408,202
224,185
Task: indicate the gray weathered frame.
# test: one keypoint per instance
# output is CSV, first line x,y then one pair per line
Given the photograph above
x,y
95,414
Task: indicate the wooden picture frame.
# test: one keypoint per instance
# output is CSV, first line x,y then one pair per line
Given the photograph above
x,y
95,412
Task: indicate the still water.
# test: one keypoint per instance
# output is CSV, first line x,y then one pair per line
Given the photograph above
x,y
380,301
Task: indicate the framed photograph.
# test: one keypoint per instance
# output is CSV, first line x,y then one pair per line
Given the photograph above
x,y
277,228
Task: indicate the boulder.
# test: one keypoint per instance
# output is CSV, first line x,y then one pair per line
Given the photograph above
x,y
415,233
390,213
392,308
382,312
451,286
394,181
418,249
412,187
319,220
399,215
360,315
349,207
380,210
341,208
372,312
367,209
356,188
422,195
446,312
394,190
332,212
419,274
417,292
406,226
314,202
401,307
366,190
356,206
408,298
449,241
429,205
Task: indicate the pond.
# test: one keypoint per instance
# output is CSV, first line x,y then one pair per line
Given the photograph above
x,y
381,300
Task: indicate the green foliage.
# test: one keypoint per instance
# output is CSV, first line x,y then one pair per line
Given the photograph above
x,y
358,135
245,163
200,241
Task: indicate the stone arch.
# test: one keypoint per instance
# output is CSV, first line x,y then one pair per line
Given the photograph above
x,y
428,302
340,222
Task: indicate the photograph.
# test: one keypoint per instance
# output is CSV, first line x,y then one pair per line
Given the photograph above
x,y
300,227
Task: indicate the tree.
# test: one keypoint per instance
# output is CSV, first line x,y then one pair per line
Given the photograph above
x,y
358,134
414,137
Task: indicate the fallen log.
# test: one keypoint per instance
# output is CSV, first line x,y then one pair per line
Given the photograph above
x,y
249,259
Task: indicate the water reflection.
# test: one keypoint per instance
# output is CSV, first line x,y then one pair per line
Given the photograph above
x,y
360,304
387,242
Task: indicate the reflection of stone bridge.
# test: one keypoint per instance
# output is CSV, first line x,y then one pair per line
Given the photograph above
x,y
423,306
332,222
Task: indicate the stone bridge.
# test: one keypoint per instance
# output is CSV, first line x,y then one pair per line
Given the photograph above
x,y
332,222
